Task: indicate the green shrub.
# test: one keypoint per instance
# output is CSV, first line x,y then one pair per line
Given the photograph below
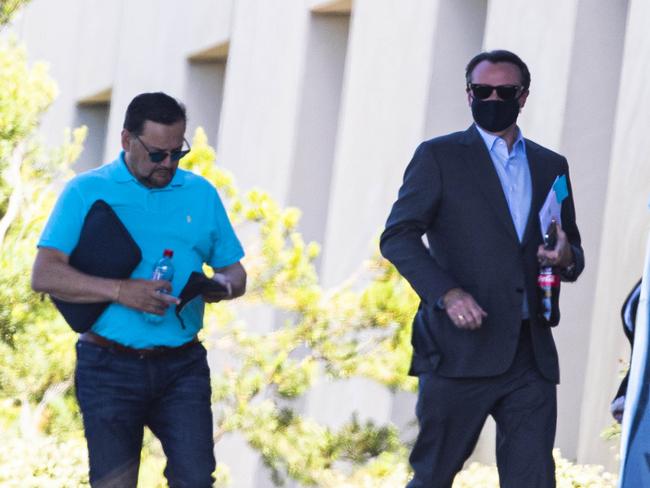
x,y
567,475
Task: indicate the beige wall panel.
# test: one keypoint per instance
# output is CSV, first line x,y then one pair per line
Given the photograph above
x,y
134,47
257,137
549,37
53,42
404,82
382,117
301,107
625,230
155,41
458,37
541,33
317,124
587,140
382,120
262,93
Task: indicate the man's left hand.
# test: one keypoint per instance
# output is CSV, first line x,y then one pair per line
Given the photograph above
x,y
561,256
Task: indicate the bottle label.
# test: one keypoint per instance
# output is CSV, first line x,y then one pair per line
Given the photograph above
x,y
548,280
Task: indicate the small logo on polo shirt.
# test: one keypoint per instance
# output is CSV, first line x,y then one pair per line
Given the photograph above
x,y
189,219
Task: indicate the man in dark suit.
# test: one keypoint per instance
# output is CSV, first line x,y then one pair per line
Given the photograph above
x,y
480,344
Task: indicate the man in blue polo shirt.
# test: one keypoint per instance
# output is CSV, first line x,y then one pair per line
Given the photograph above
x,y
133,372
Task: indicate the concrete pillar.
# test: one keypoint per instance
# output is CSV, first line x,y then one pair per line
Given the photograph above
x,y
624,232
317,124
383,118
571,110
277,126
404,61
176,34
203,97
458,37
35,19
587,139
549,37
262,93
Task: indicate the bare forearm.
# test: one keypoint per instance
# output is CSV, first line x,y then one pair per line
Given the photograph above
x,y
53,275
239,289
234,278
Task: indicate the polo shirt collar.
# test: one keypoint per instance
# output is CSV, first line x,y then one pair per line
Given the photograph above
x,y
121,174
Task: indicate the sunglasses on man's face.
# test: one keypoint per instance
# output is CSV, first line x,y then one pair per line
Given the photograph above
x,y
160,156
504,92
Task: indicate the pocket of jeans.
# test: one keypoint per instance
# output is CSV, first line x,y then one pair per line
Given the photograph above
x,y
92,354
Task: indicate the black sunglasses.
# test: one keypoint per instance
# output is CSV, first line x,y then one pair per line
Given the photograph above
x,y
160,156
505,92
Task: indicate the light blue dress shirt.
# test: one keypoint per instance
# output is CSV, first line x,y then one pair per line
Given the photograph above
x,y
514,174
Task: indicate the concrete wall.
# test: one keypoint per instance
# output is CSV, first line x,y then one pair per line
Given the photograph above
x,y
625,224
322,103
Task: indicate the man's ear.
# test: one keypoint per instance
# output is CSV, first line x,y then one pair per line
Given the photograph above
x,y
126,139
522,99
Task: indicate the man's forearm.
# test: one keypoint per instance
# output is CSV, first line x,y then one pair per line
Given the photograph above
x,y
237,278
53,275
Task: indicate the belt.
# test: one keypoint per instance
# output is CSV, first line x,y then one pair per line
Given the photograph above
x,y
116,347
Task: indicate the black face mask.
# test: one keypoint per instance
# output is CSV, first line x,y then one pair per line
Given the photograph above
x,y
495,115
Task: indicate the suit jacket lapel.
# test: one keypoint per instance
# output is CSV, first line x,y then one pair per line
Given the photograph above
x,y
477,158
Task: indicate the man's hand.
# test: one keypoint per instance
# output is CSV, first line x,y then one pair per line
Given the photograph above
x,y
561,256
146,295
617,409
233,277
217,296
463,310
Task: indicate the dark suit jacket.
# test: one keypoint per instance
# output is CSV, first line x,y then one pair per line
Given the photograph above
x,y
452,193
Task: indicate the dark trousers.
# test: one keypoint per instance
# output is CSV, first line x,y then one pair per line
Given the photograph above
x,y
119,394
451,413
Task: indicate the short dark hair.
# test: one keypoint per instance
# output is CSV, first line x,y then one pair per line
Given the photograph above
x,y
499,56
156,107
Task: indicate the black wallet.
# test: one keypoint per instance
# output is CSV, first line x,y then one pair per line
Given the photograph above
x,y
196,285
105,249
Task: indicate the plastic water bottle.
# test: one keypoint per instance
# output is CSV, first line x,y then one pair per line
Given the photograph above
x,y
163,270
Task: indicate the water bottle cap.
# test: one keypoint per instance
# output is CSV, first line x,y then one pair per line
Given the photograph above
x,y
168,253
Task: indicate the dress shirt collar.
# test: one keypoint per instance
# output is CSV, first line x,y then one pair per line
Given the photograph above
x,y
490,139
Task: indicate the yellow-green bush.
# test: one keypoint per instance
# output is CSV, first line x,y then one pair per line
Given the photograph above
x,y
567,475
48,462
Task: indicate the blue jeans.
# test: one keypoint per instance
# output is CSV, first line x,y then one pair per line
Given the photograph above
x,y
119,394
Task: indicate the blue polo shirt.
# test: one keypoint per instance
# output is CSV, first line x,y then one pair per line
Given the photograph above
x,y
186,216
